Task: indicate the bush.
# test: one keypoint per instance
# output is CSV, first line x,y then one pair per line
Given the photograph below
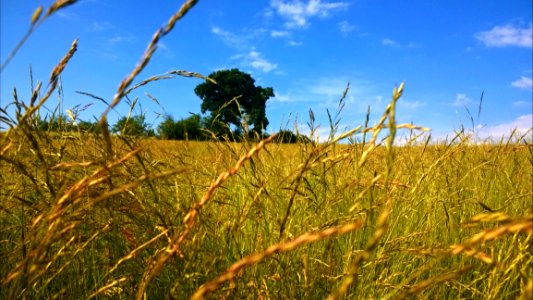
x,y
185,129
289,137
135,126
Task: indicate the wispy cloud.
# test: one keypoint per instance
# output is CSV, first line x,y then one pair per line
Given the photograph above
x,y
128,38
229,38
389,42
461,100
295,43
412,104
321,90
392,43
507,35
282,98
279,33
297,13
345,27
286,35
66,15
165,50
521,125
524,82
522,104
256,61
248,55
98,26
332,88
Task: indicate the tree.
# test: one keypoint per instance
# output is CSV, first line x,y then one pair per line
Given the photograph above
x,y
188,128
53,123
135,125
233,98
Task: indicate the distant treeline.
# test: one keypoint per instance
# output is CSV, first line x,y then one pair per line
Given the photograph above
x,y
194,128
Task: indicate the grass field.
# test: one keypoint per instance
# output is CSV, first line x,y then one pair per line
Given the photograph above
x,y
291,221
101,216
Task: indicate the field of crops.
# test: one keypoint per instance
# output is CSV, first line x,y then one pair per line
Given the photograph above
x,y
82,217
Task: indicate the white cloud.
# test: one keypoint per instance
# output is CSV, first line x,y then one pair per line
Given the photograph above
x,y
522,104
121,38
299,12
98,26
411,104
255,60
461,100
346,27
165,50
249,56
282,98
330,87
321,134
506,35
66,15
323,90
389,42
294,43
324,93
523,83
229,38
278,33
393,43
522,125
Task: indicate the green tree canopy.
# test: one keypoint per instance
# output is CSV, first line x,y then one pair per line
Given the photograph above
x,y
234,90
135,125
189,128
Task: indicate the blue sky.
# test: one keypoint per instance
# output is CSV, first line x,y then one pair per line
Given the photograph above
x,y
446,52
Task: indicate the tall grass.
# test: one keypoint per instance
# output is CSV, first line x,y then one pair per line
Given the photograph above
x,y
95,216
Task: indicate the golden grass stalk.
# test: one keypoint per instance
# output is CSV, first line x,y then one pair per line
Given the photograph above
x,y
134,251
53,218
180,14
349,278
522,224
150,50
518,225
77,251
192,74
36,15
52,83
489,217
190,218
432,281
129,186
58,5
389,113
108,286
306,238
36,20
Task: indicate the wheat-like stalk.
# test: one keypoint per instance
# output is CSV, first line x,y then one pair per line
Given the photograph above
x,y
306,238
150,50
190,218
514,226
36,20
